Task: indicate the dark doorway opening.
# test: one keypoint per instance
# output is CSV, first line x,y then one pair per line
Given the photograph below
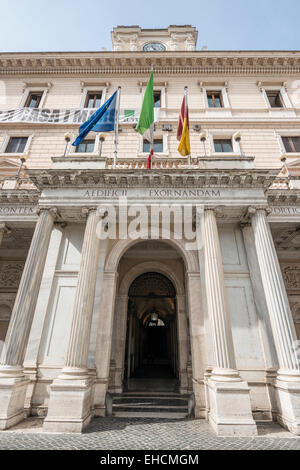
x,y
151,345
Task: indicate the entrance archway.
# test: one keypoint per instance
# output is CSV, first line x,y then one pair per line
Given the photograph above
x,y
151,357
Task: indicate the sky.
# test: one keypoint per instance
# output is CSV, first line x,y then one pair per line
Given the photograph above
x,y
85,25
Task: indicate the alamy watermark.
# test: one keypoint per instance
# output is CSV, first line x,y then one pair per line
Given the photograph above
x,y
152,221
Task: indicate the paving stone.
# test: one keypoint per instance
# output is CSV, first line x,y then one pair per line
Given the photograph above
x,y
146,434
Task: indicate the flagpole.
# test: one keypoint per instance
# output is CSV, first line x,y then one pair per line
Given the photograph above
x,y
117,114
185,113
152,131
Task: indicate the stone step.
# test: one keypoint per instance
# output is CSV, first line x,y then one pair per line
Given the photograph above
x,y
149,414
138,406
141,401
154,405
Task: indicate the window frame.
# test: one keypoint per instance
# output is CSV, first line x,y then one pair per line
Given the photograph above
x,y
160,99
280,135
95,94
221,135
279,96
86,142
157,135
72,150
92,89
224,94
40,94
31,90
13,134
163,94
287,105
145,141
291,145
213,93
222,140
16,137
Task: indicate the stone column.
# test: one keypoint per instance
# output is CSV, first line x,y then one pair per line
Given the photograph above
x,y
104,340
69,407
229,396
288,379
13,383
267,395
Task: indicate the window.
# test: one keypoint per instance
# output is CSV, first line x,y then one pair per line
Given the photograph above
x,y
33,100
16,145
157,146
275,98
86,146
214,99
223,145
291,144
157,99
93,99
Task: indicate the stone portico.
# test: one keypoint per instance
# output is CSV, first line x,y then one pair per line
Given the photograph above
x,y
191,305
235,334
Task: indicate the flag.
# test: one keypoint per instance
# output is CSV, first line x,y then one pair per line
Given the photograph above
x,y
146,118
183,130
149,160
103,120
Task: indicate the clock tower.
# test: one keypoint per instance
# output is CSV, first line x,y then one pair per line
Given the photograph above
x,y
173,38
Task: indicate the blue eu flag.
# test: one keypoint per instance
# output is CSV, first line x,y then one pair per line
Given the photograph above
x,y
103,120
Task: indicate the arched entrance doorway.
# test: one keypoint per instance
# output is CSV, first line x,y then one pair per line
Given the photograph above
x,y
151,357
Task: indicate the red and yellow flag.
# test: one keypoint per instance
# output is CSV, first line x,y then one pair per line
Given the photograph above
x,y
183,131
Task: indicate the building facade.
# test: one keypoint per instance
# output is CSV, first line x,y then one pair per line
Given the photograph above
x,y
182,280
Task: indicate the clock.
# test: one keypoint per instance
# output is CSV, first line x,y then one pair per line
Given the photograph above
x,y
154,47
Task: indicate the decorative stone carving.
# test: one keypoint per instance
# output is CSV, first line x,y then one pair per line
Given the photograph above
x,y
133,43
152,283
5,311
10,274
189,43
287,239
291,276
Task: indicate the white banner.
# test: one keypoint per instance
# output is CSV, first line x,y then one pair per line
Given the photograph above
x,y
64,116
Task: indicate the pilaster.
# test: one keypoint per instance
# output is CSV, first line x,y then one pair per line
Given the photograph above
x,y
104,341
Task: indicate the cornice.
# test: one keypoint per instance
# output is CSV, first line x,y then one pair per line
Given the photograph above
x,y
283,196
103,178
140,63
19,196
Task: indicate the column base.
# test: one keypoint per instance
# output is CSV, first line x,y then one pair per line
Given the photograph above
x,y
198,399
69,408
13,385
100,395
287,387
230,408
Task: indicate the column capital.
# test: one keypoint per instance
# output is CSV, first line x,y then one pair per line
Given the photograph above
x,y
86,210
252,210
4,228
51,210
217,210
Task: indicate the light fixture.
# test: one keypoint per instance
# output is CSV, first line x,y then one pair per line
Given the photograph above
x,y
154,316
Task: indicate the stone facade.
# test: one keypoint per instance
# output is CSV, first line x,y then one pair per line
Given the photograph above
x,y
76,309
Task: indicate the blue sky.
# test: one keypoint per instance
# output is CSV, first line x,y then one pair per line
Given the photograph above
x,y
85,25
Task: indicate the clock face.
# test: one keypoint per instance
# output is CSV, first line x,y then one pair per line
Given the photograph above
x,y
154,47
